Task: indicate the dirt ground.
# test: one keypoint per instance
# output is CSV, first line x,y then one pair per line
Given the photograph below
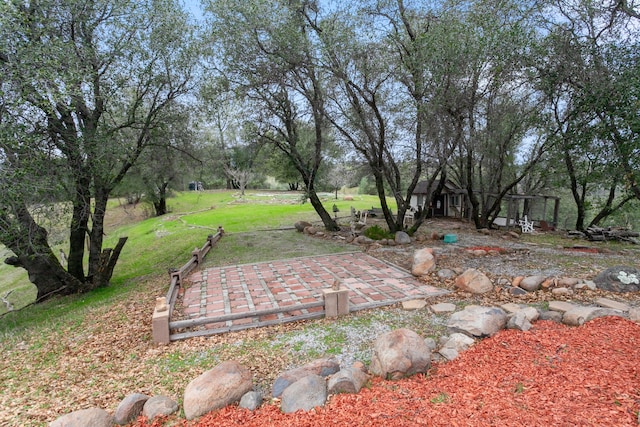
x,y
549,254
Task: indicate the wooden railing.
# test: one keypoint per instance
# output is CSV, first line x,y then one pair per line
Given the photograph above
x,y
164,305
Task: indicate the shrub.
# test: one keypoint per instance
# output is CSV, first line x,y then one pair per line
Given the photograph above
x,y
376,232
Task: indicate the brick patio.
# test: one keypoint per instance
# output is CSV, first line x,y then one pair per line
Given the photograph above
x,y
288,290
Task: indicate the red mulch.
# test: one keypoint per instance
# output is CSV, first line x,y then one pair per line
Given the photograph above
x,y
553,375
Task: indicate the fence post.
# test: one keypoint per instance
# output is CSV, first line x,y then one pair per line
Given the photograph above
x,y
336,301
197,255
160,322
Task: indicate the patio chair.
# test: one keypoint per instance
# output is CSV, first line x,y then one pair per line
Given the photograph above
x,y
525,225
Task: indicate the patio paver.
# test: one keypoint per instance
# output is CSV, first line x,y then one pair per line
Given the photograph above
x,y
277,291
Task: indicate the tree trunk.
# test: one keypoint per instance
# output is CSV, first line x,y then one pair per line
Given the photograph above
x,y
46,273
160,204
329,223
34,255
79,229
97,230
108,260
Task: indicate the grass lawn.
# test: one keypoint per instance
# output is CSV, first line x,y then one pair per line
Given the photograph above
x,y
157,244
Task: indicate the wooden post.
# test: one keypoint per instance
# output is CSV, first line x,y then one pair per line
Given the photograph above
x,y
197,255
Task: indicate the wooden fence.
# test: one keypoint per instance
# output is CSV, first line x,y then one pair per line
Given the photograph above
x,y
164,305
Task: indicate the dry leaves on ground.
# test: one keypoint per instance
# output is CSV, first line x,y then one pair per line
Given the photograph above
x,y
551,375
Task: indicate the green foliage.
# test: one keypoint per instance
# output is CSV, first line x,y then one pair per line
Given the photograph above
x,y
376,232
441,397
367,186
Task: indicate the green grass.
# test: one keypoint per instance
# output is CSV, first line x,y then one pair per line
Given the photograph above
x,y
156,244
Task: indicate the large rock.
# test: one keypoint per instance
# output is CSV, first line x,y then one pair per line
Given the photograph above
x,y
402,238
94,417
580,315
347,380
399,353
619,279
301,225
322,367
129,408
306,394
423,262
531,283
454,345
478,321
519,321
251,400
474,281
216,388
158,406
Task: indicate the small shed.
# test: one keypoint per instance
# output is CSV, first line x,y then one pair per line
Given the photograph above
x,y
451,202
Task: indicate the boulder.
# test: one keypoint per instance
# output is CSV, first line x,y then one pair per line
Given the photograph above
x,y
311,230
129,408
531,283
158,406
423,262
446,273
511,308
304,394
561,306
301,225
568,282
399,353
431,344
634,314
619,279
519,321
94,417
478,321
402,238
347,380
322,367
363,240
517,291
580,315
553,316
216,388
473,281
531,313
454,345
251,400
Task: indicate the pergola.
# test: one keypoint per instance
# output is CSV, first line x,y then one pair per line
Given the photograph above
x,y
542,210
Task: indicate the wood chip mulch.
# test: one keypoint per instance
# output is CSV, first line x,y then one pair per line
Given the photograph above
x,y
553,375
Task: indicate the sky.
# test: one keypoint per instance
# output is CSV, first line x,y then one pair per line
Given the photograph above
x,y
194,8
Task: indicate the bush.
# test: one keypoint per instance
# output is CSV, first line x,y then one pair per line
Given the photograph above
x,y
376,232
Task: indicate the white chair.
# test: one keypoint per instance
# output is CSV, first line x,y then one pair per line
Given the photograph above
x,y
408,218
525,225
363,217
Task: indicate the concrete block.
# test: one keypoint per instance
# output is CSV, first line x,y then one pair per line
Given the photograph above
x,y
160,322
336,302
